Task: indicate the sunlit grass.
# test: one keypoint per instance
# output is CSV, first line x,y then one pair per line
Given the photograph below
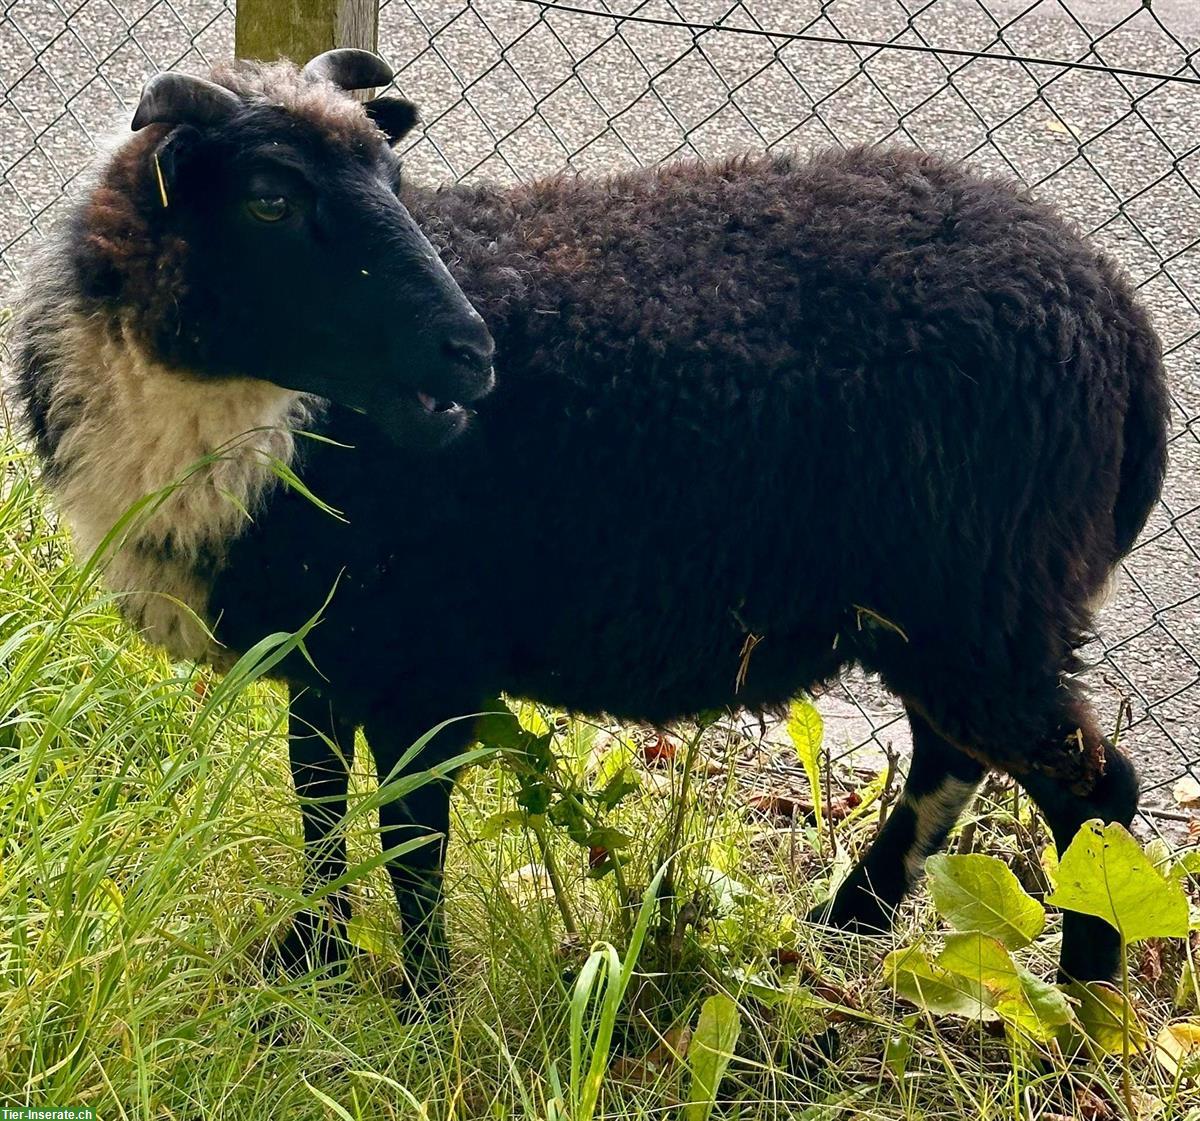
x,y
150,850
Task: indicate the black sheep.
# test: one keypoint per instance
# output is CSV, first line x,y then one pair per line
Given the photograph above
x,y
868,408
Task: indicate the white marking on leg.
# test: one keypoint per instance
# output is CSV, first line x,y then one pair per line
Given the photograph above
x,y
935,813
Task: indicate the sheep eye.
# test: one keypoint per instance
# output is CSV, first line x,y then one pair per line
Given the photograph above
x,y
268,209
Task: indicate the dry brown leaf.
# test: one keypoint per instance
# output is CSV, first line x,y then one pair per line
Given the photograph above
x,y
1053,124
1150,962
777,804
660,751
655,1063
1186,792
1090,1106
841,807
784,804
1177,1049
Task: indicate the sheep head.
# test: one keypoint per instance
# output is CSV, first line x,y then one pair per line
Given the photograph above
x,y
254,227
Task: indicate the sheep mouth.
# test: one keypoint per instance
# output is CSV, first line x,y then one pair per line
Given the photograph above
x,y
427,421
448,414
430,416
435,406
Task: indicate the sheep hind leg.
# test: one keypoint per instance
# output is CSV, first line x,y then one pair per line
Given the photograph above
x,y
941,783
1091,948
1046,738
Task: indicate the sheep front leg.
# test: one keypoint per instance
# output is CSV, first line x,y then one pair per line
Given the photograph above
x,y
418,823
321,750
416,875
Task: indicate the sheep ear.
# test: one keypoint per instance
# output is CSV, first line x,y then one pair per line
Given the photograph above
x,y
349,69
394,116
182,99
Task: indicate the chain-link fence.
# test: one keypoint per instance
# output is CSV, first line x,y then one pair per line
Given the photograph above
x,y
514,88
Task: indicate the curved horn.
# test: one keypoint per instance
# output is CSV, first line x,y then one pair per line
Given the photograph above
x,y
350,69
180,98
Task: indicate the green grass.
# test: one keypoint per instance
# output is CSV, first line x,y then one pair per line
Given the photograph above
x,y
149,850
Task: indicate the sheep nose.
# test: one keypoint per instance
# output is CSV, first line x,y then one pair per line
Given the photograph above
x,y
472,348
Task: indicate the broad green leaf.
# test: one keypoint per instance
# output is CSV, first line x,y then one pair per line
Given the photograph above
x,y
567,813
727,892
806,729
1040,1011
498,727
615,759
531,719
976,977
1101,1016
1025,1002
1177,1049
979,893
502,822
1105,873
940,991
899,1047
725,855
712,1045
1158,852
1049,860
625,781
539,751
1187,865
982,959
606,836
1185,988
534,795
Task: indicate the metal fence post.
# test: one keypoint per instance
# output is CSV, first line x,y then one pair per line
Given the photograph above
x,y
300,29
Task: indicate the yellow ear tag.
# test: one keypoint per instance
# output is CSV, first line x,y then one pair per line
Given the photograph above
x,y
162,185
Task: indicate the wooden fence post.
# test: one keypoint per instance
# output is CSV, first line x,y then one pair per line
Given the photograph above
x,y
300,29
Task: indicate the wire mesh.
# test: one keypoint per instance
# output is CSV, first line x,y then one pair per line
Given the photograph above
x,y
510,89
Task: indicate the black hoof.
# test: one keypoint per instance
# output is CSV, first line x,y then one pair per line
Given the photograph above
x,y
1088,972
854,910
315,943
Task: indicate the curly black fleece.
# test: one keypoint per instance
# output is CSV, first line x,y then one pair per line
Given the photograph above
x,y
753,422
866,408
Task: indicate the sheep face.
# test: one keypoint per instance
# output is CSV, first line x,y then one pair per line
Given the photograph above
x,y
275,247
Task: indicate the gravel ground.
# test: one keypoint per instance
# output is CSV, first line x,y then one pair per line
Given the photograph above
x,y
510,91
